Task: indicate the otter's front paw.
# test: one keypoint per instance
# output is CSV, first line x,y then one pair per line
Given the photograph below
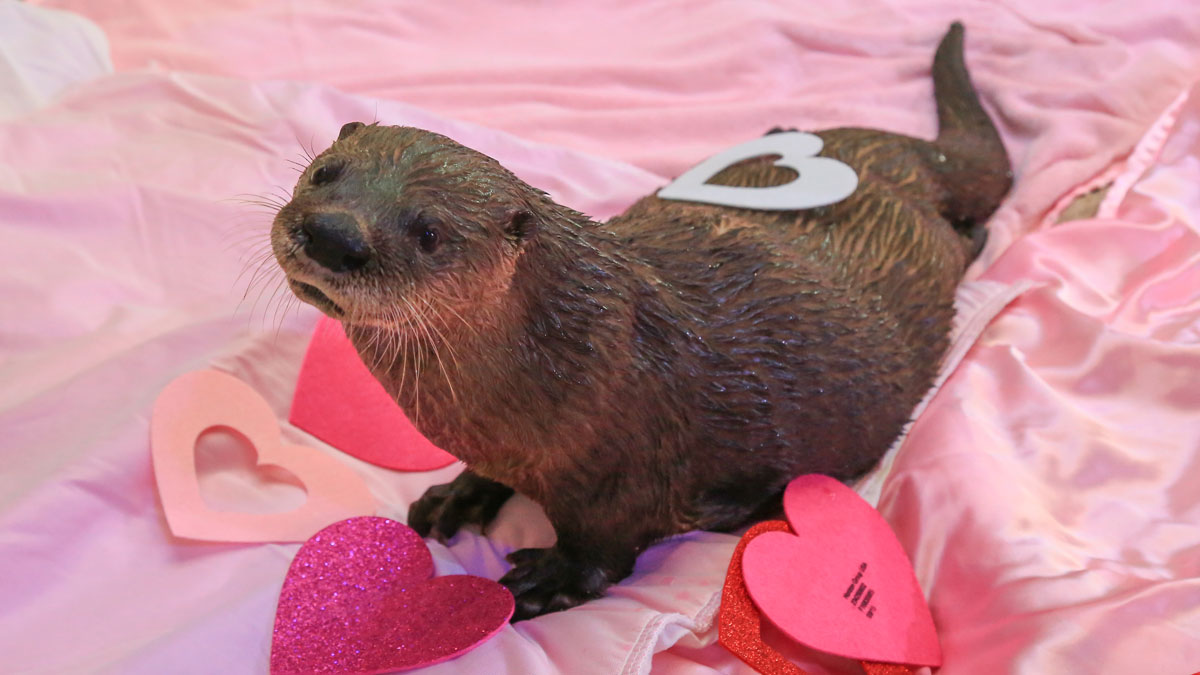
x,y
545,580
467,500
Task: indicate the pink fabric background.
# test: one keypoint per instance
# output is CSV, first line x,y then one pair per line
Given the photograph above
x,y
1049,495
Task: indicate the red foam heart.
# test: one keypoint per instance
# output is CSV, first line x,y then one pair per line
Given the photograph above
x,y
358,598
739,624
842,583
340,402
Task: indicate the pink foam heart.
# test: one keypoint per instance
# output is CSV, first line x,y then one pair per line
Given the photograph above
x,y
201,400
358,598
340,402
842,583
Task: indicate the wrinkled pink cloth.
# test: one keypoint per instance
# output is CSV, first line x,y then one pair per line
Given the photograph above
x,y
1067,447
1048,494
662,84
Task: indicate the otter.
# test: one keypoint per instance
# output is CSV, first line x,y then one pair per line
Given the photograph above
x,y
668,370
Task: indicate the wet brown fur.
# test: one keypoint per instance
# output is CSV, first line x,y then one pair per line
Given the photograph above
x,y
671,369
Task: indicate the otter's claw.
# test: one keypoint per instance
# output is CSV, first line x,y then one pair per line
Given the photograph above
x,y
467,500
545,580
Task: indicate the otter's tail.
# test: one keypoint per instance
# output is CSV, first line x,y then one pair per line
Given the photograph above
x,y
976,172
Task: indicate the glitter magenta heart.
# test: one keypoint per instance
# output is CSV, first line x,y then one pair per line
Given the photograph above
x,y
358,598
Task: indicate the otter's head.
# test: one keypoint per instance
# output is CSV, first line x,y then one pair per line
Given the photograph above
x,y
395,227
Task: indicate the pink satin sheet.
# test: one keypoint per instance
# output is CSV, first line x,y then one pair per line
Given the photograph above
x,y
1048,493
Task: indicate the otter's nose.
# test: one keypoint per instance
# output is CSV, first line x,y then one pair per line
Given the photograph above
x,y
333,240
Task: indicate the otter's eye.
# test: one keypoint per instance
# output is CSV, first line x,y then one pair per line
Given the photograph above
x,y
429,239
326,173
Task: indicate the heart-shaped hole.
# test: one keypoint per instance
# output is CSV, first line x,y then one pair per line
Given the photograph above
x,y
771,173
232,480
818,181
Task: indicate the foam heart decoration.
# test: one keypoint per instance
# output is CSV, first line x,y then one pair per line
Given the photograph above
x,y
340,402
201,400
358,598
740,624
819,181
841,583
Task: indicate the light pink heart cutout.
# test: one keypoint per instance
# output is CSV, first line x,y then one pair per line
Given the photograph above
x,y
842,583
358,598
340,402
206,399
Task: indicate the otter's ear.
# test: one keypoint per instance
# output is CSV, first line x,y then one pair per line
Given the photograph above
x,y
348,129
521,225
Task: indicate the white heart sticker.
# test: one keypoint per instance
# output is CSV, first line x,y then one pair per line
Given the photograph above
x,y
821,180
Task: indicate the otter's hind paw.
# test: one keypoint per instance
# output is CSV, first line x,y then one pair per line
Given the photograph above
x,y
545,580
467,500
